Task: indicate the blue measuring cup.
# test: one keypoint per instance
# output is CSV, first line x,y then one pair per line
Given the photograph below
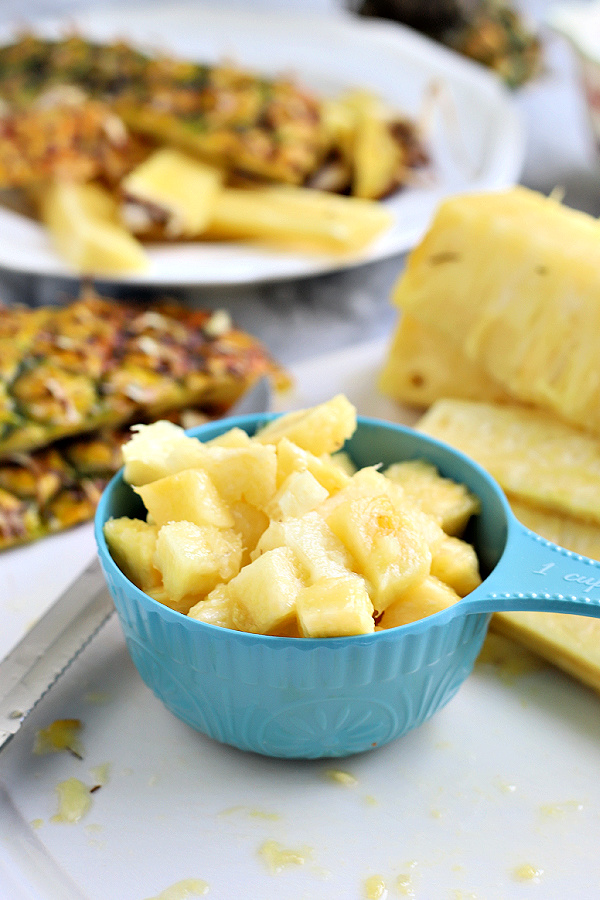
x,y
333,697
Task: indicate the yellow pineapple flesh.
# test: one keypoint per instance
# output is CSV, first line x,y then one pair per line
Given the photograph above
x,y
320,429
193,559
424,598
132,544
450,503
531,454
334,607
515,274
264,592
423,364
188,495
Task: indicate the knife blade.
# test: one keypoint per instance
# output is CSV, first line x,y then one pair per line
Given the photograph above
x,y
43,654
59,636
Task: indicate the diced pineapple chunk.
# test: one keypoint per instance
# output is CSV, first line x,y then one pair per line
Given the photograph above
x,y
193,559
215,609
245,473
426,597
183,188
320,553
157,450
320,429
233,437
291,458
450,503
189,495
250,523
455,563
300,493
132,543
344,461
335,607
264,592
388,549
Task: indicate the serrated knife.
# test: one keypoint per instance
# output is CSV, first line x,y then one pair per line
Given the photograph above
x,y
59,636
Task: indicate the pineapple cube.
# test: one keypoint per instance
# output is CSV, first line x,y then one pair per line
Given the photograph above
x,y
317,549
344,461
181,187
189,495
300,493
157,450
132,543
389,549
321,429
426,597
193,559
335,607
250,523
247,472
291,458
450,503
234,437
215,609
455,563
264,592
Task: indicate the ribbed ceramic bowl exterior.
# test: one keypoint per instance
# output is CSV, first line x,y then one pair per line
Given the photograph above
x,y
294,697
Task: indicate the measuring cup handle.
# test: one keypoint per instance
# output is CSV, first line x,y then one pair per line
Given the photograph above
x,y
535,574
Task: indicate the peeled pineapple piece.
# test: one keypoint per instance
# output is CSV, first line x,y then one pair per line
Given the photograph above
x,y
267,535
450,503
181,188
83,223
515,274
300,493
424,364
531,454
303,218
335,607
214,609
132,544
245,473
376,156
317,549
426,597
292,458
387,549
193,559
321,429
264,593
189,495
157,450
455,563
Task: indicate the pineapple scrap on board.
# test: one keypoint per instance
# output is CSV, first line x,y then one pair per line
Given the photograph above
x,y
277,533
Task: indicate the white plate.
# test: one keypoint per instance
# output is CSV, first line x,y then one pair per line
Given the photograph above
x,y
476,138
500,785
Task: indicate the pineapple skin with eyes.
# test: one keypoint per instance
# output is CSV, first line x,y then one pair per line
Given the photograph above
x,y
515,275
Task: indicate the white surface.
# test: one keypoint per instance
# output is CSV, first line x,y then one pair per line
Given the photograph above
x,y
580,23
476,139
505,776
